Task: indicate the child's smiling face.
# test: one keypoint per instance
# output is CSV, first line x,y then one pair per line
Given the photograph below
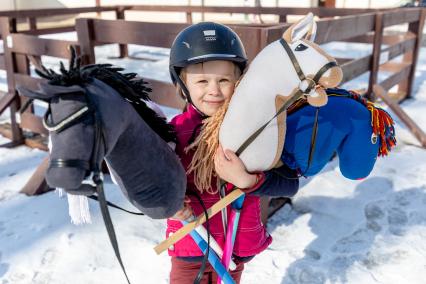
x,y
210,84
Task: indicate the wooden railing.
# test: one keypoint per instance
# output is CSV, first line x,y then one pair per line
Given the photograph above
x,y
352,26
370,29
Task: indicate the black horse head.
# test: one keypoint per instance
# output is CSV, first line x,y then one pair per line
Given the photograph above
x,y
96,112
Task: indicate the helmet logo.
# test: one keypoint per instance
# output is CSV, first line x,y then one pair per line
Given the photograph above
x,y
209,35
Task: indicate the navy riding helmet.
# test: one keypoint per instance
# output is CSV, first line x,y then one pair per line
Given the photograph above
x,y
203,42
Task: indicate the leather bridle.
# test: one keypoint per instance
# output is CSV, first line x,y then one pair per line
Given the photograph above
x,y
311,84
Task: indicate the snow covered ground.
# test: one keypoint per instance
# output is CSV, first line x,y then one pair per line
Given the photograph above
x,y
339,231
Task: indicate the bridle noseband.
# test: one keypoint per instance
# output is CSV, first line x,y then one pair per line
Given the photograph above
x,y
91,167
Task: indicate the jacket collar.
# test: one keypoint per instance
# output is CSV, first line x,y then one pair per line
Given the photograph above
x,y
194,114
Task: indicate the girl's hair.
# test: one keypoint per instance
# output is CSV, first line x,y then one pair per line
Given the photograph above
x,y
206,143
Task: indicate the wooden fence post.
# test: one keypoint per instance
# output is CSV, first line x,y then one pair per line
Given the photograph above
x,y
120,15
8,26
84,29
282,18
188,17
412,56
32,24
375,61
98,4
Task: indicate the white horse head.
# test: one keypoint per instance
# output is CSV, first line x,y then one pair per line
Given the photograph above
x,y
269,82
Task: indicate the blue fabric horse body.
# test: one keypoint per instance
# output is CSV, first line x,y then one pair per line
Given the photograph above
x,y
344,127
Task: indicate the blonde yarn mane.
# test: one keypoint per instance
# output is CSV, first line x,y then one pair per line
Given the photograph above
x,y
206,144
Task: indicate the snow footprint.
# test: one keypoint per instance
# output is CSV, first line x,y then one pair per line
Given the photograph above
x,y
2,228
4,267
359,240
306,275
397,220
374,214
44,274
48,257
376,259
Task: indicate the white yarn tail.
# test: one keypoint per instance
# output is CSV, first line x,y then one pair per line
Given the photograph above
x,y
78,208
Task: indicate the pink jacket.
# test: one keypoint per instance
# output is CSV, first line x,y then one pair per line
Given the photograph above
x,y
252,237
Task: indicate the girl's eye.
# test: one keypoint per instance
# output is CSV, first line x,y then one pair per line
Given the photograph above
x,y
224,80
202,81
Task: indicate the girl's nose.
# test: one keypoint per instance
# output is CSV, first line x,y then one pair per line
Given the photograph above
x,y
214,89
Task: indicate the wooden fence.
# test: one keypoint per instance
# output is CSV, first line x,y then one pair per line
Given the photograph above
x,y
21,48
370,29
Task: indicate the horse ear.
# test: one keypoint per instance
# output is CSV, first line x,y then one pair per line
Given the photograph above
x,y
32,94
304,28
312,32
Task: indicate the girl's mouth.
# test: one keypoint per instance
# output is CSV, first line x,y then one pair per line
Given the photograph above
x,y
214,102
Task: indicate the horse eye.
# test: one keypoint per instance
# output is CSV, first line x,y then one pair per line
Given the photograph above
x,y
301,47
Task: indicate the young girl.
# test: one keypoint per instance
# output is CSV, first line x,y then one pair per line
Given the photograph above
x,y
206,60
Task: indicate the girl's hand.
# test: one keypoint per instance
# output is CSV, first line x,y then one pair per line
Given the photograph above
x,y
184,213
230,168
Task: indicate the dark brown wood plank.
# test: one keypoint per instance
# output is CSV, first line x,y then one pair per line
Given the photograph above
x,y
417,29
393,67
37,183
322,11
394,79
46,31
355,68
84,28
399,48
341,61
39,142
412,126
365,38
143,33
5,101
251,38
2,66
165,94
397,96
27,81
120,14
377,47
342,28
53,11
275,32
387,39
8,26
29,44
401,16
33,123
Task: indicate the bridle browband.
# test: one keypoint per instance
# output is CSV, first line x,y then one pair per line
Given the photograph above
x,y
311,84
66,122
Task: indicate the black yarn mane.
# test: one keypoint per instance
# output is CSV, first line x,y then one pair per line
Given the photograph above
x,y
131,88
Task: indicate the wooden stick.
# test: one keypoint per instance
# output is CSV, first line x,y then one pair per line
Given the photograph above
x,y
412,126
182,232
